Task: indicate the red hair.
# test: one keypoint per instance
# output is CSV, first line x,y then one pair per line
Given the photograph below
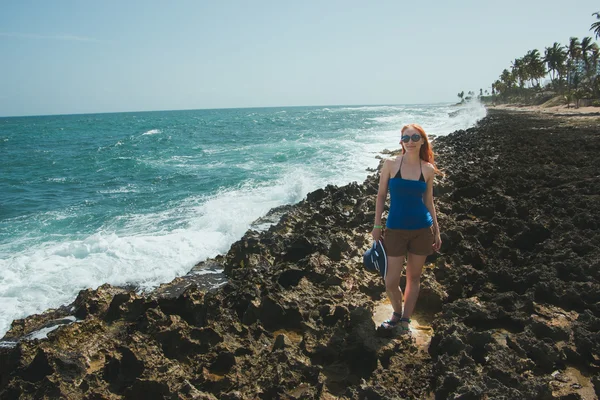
x,y
426,152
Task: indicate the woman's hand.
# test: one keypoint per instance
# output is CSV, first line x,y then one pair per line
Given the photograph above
x,y
437,244
376,233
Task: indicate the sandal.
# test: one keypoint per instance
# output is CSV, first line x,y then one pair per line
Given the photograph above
x,y
392,322
405,329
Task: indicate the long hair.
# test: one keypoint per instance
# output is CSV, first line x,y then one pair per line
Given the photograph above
x,y
426,151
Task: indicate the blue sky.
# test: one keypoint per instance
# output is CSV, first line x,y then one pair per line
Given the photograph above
x,y
62,57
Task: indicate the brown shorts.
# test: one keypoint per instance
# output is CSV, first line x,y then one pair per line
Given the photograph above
x,y
398,242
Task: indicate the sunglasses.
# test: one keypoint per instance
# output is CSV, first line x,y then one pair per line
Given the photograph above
x,y
415,138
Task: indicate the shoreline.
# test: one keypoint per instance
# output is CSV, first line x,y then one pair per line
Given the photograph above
x,y
295,318
555,111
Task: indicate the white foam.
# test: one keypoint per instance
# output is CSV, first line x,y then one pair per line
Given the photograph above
x,y
43,333
50,275
207,271
123,189
151,132
388,119
468,114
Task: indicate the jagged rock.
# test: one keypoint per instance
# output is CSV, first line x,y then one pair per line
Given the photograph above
x,y
39,367
281,342
122,370
148,389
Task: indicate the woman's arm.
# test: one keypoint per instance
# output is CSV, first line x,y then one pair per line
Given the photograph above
x,y
384,177
428,199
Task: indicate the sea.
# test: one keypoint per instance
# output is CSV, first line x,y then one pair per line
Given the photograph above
x,y
138,198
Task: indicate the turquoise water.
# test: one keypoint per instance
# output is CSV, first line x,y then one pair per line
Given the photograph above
x,y
139,198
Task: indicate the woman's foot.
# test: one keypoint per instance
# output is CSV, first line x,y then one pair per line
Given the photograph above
x,y
392,322
405,326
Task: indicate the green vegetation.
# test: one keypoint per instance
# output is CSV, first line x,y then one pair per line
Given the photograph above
x,y
569,74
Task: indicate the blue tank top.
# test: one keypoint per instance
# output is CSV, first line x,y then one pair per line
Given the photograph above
x,y
407,209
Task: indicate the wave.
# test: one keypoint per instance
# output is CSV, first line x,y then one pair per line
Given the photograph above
x,y
147,250
371,108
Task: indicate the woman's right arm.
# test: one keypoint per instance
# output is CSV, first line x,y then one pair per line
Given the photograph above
x,y
384,177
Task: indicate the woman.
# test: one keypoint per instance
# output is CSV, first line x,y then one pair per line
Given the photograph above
x,y
412,230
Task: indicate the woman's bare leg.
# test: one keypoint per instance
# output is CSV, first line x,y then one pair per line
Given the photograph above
x,y
392,282
414,268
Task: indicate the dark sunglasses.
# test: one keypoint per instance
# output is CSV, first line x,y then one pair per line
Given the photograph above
x,y
415,138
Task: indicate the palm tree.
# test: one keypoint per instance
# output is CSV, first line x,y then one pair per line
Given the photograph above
x,y
596,25
594,54
574,49
573,53
594,58
503,86
556,56
586,50
500,87
519,72
534,67
507,78
568,98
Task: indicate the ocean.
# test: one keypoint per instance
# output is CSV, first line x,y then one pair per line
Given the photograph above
x,y
139,198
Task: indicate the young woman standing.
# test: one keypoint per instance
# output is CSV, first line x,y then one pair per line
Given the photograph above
x,y
412,231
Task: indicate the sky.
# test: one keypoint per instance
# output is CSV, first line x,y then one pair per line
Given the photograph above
x,y
70,57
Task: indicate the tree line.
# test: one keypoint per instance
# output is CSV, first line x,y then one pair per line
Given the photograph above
x,y
571,71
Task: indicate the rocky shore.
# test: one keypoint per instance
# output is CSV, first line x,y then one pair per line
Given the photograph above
x,y
509,309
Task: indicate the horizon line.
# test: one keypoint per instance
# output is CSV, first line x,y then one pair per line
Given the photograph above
x,y
219,108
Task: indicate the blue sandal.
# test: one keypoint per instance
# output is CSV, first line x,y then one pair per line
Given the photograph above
x,y
405,329
392,322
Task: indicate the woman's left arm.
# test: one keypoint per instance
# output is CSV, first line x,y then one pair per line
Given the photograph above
x,y
428,199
